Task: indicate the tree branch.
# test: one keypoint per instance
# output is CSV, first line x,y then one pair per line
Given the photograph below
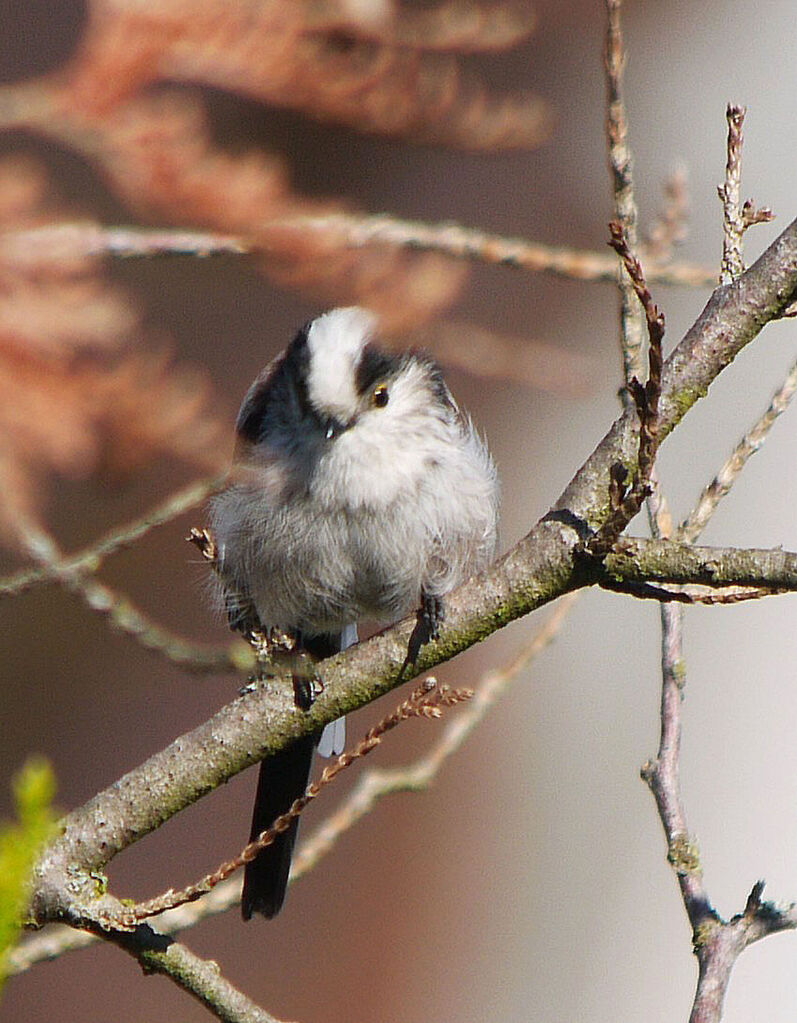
x,y
427,700
732,318
349,229
157,953
121,611
471,243
372,787
720,486
91,557
621,165
636,560
548,562
716,942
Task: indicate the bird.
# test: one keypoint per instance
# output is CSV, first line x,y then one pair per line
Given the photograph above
x,y
360,492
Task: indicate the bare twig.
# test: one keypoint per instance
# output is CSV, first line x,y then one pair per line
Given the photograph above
x,y
372,787
729,193
90,559
121,612
653,317
201,978
49,944
631,335
736,218
663,779
470,243
690,594
427,700
719,487
127,618
624,231
625,209
87,238
717,944
752,215
349,229
626,500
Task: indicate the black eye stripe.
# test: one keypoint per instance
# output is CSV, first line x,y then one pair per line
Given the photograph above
x,y
374,367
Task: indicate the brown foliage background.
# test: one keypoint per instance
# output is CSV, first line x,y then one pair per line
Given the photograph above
x,y
532,879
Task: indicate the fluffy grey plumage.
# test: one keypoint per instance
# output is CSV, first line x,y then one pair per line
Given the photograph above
x,y
343,508
360,491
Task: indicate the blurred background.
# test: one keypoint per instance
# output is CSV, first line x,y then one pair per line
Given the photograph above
x,y
531,881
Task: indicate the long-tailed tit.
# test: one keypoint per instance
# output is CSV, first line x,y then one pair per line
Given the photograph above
x,y
360,492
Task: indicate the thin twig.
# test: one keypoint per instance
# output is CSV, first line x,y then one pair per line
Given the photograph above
x,y
122,613
372,787
470,243
625,210
626,500
378,783
427,700
632,320
129,619
348,229
658,516
87,238
654,320
717,943
719,487
201,978
736,218
91,557
729,193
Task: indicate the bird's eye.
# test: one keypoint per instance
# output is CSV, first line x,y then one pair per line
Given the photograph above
x,y
380,396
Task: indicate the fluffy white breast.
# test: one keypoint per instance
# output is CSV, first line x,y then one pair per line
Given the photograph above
x,y
335,341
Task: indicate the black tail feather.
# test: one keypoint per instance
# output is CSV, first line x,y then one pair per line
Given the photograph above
x,y
283,779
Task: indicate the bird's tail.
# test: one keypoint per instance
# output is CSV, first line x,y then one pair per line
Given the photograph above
x,y
282,780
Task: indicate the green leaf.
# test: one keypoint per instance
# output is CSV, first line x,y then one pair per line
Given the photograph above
x,y
20,842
